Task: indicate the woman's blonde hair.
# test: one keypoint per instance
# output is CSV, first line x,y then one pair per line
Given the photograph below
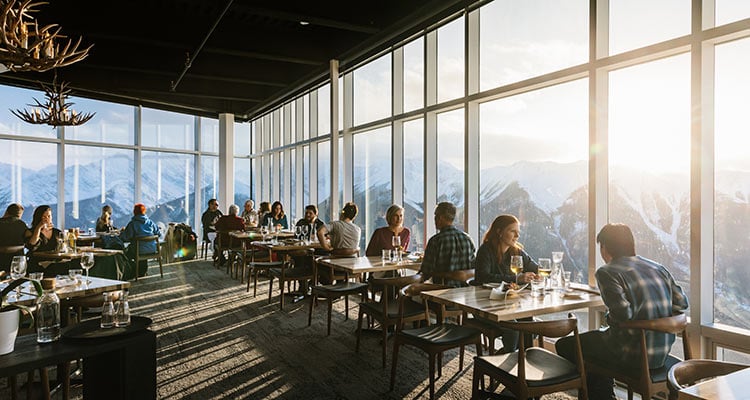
x,y
391,212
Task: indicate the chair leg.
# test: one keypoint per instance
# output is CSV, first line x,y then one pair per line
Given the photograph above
x,y
440,364
63,375
432,374
312,304
385,340
248,281
270,288
359,328
44,378
161,269
346,307
461,359
394,361
330,310
281,291
137,265
255,282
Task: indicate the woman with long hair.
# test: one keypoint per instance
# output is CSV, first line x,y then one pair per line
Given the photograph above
x,y
43,237
499,244
104,222
276,217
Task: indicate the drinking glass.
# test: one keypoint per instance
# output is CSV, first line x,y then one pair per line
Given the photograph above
x,y
385,255
18,271
537,286
305,233
91,232
87,261
516,264
396,243
566,280
545,267
298,232
557,257
75,275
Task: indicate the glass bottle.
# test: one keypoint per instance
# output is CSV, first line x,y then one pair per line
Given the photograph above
x,y
48,314
108,312
122,315
71,240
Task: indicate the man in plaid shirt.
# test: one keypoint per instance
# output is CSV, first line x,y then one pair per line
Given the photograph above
x,y
633,288
450,249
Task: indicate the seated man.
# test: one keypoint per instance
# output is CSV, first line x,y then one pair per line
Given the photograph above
x,y
315,227
225,224
450,249
12,233
209,218
140,225
633,288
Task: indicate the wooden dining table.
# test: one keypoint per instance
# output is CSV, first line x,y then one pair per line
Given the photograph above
x,y
734,386
476,300
93,287
359,265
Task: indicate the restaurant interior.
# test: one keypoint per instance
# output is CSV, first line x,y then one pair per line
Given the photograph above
x,y
569,115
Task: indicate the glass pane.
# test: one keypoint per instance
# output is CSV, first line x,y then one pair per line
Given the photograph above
x,y
372,180
95,176
210,180
732,176
414,180
324,180
12,98
341,173
210,135
282,188
306,175
291,130
414,75
341,103
242,139
324,109
450,61
293,212
372,90
523,39
28,175
450,168
242,191
731,10
540,173
167,186
113,123
638,23
649,156
305,118
729,355
165,129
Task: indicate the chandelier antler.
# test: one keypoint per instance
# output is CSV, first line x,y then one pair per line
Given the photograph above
x,y
25,46
56,111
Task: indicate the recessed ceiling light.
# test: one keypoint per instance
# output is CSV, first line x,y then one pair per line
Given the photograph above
x,y
304,23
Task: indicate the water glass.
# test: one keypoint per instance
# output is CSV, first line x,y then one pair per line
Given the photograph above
x,y
537,287
566,280
386,255
108,312
394,256
36,276
91,232
76,275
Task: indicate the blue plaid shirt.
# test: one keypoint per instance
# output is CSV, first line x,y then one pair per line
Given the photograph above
x,y
636,288
449,250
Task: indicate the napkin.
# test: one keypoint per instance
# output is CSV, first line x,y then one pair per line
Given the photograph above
x,y
497,293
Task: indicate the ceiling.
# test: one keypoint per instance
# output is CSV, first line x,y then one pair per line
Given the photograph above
x,y
259,54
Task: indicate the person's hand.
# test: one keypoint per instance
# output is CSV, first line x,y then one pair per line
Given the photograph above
x,y
525,277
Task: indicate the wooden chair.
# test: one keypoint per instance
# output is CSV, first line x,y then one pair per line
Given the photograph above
x,y
689,372
147,256
342,287
432,339
451,278
288,272
644,380
389,310
533,371
255,266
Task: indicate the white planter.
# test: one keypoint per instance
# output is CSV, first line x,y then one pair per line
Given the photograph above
x,y
8,330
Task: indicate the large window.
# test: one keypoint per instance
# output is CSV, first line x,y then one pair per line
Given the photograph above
x,y
14,99
450,61
638,23
95,176
731,194
28,175
113,123
324,180
167,130
522,39
649,155
414,75
372,90
414,181
167,185
537,169
209,134
450,165
372,180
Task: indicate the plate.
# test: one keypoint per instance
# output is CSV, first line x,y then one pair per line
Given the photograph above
x,y
574,295
91,330
491,285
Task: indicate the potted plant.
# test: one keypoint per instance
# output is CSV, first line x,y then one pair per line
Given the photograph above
x,y
10,314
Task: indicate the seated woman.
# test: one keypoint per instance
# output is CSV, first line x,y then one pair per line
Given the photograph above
x,y
493,262
43,237
12,233
382,238
140,225
263,209
276,217
104,222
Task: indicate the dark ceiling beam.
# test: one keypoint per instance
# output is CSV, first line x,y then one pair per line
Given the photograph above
x,y
189,75
195,95
313,20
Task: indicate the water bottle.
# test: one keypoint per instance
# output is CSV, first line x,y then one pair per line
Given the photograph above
x,y
108,312
122,315
48,314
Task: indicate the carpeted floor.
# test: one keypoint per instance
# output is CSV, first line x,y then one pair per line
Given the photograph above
x,y
215,341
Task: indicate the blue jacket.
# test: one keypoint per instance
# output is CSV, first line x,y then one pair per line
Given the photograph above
x,y
141,225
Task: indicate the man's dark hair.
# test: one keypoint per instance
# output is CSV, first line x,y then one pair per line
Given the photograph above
x,y
350,210
617,239
212,201
446,210
14,210
313,208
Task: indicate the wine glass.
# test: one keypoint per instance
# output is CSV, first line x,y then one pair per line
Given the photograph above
x,y
557,257
305,231
298,232
18,271
87,261
396,243
545,267
516,264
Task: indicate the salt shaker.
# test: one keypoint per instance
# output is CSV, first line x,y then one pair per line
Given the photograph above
x,y
108,312
122,314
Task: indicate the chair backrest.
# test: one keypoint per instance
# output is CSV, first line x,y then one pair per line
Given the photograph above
x,y
392,287
345,252
461,275
675,324
15,250
689,372
415,289
145,239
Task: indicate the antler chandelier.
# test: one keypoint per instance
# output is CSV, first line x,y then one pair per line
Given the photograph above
x,y
25,46
57,111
